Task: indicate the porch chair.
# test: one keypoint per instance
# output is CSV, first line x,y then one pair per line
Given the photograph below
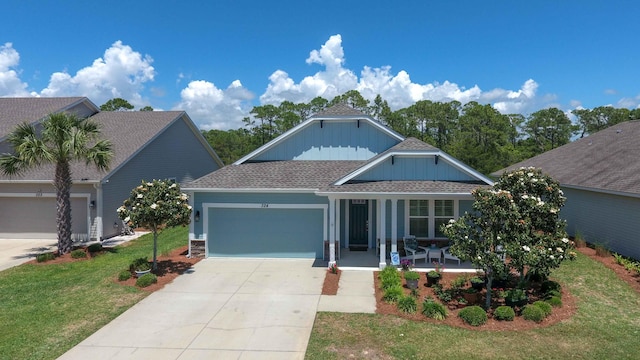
x,y
447,255
411,246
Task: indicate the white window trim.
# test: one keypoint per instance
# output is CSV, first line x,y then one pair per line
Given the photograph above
x,y
431,217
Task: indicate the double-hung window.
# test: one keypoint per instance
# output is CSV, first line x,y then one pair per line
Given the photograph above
x,y
426,217
419,218
442,214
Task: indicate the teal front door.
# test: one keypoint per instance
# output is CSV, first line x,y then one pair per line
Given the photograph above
x,y
358,224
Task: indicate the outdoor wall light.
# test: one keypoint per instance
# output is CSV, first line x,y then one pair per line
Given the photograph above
x,y
197,216
92,204
115,225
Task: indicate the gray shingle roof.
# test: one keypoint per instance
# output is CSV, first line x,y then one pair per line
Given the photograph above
x,y
128,131
339,109
15,111
291,174
413,144
439,187
607,160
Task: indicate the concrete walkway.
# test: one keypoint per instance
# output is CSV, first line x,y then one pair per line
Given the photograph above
x,y
221,309
355,294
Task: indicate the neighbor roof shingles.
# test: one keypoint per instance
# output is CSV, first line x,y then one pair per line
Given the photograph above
x,y
128,131
607,160
15,111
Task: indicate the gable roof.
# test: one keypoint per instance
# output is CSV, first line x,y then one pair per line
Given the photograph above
x,y
605,161
338,112
416,147
128,131
15,111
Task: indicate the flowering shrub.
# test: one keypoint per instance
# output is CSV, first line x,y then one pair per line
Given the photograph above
x,y
406,264
155,205
333,268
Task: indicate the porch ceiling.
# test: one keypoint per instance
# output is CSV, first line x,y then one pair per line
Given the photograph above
x,y
408,187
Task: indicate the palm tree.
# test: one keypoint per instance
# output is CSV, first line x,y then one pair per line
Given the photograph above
x,y
61,140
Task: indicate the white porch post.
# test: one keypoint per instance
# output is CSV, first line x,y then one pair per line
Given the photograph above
x,y
382,234
332,231
99,212
394,225
338,201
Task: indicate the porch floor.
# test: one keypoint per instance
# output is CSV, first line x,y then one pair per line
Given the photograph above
x,y
368,260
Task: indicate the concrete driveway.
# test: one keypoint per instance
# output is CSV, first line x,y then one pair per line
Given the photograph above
x,y
221,309
14,252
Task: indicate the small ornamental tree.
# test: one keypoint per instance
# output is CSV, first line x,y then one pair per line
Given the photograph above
x,y
477,236
154,206
540,245
518,218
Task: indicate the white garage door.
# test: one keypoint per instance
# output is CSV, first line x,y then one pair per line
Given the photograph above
x,y
35,217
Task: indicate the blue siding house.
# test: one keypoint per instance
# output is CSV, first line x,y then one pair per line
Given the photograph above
x,y
146,145
340,179
600,177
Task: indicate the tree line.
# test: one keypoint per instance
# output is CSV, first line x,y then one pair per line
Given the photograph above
x,y
474,133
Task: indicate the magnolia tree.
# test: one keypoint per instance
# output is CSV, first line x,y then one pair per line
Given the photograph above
x,y
154,206
519,219
540,245
479,236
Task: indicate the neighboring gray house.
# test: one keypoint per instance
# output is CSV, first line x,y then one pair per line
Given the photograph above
x,y
146,144
338,179
600,176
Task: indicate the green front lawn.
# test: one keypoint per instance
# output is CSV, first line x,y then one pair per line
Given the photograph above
x,y
605,326
47,309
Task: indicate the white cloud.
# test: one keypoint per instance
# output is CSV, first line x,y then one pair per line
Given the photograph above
x,y
122,73
213,108
10,83
399,90
629,102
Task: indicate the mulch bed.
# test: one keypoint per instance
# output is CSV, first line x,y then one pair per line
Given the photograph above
x,y
330,285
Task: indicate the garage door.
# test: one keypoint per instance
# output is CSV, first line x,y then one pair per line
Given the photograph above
x,y
271,232
35,217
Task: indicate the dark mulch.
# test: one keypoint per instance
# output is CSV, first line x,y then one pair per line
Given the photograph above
x,y
330,285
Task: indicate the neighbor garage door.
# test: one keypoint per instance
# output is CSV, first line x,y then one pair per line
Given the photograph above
x,y
35,217
270,232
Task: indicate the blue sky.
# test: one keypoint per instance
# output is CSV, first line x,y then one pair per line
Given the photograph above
x,y
218,59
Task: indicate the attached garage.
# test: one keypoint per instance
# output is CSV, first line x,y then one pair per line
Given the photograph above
x,y
35,217
265,230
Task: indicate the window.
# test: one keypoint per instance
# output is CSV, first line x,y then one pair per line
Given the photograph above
x,y
426,217
443,213
419,218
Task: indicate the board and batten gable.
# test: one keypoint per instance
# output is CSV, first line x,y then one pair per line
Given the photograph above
x,y
333,139
407,167
606,219
176,153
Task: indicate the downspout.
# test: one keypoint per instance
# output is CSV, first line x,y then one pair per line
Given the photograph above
x,y
99,206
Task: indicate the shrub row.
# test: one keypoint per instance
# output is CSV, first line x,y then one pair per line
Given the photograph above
x,y
629,264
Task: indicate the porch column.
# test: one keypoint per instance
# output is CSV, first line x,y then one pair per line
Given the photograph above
x,y
332,231
394,225
99,213
382,234
338,201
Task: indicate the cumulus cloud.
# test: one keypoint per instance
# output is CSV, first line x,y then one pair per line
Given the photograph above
x,y
398,89
10,83
121,72
213,108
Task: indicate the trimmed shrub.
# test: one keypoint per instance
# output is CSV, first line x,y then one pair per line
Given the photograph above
x,y
139,264
546,308
393,294
473,315
124,275
550,285
78,254
433,309
554,301
146,280
553,293
533,313
504,313
94,248
407,304
45,257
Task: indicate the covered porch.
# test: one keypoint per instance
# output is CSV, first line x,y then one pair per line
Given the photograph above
x,y
369,260
358,222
